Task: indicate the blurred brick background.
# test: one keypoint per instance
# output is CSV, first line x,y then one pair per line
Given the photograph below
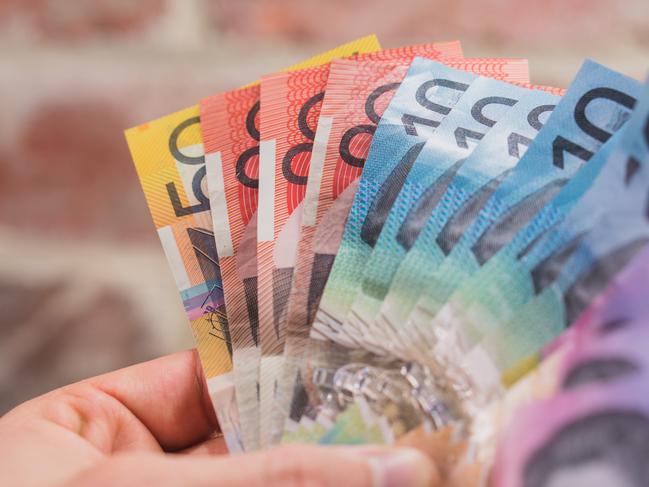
x,y
84,287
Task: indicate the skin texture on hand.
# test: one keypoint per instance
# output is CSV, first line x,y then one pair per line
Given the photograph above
x,y
448,454
153,424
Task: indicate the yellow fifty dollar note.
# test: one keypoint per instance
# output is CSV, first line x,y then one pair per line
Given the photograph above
x,y
169,159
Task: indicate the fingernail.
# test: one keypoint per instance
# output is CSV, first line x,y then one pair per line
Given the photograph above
x,y
403,467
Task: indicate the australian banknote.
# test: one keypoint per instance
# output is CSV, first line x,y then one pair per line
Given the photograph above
x,y
562,146
169,157
351,83
289,114
426,95
590,435
572,264
231,140
582,423
484,102
499,150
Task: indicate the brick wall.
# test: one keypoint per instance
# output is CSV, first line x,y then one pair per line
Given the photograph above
x,y
75,73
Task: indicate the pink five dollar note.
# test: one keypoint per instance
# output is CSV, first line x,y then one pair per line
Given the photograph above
x,y
595,429
230,125
606,344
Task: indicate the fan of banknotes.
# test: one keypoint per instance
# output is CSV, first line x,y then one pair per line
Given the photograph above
x,y
407,245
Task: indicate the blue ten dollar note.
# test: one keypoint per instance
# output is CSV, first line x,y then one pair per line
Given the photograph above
x,y
475,179
574,262
425,97
597,104
493,294
444,153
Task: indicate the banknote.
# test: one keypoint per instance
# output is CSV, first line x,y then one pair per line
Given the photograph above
x,y
290,108
499,150
342,115
231,141
563,145
357,93
604,344
571,265
595,435
480,107
477,306
597,362
169,157
622,302
425,96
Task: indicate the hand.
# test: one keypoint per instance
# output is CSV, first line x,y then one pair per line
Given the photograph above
x,y
153,424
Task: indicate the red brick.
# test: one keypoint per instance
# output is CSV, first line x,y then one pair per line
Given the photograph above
x,y
71,172
407,20
74,342
77,20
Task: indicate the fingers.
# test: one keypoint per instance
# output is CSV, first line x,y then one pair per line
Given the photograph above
x,y
294,466
168,396
441,446
448,454
161,403
211,446
468,475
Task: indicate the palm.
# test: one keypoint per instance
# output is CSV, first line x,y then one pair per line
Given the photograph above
x,y
135,409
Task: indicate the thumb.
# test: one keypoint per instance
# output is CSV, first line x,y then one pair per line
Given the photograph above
x,y
291,466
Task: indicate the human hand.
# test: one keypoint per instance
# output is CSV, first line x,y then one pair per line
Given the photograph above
x,y
153,424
